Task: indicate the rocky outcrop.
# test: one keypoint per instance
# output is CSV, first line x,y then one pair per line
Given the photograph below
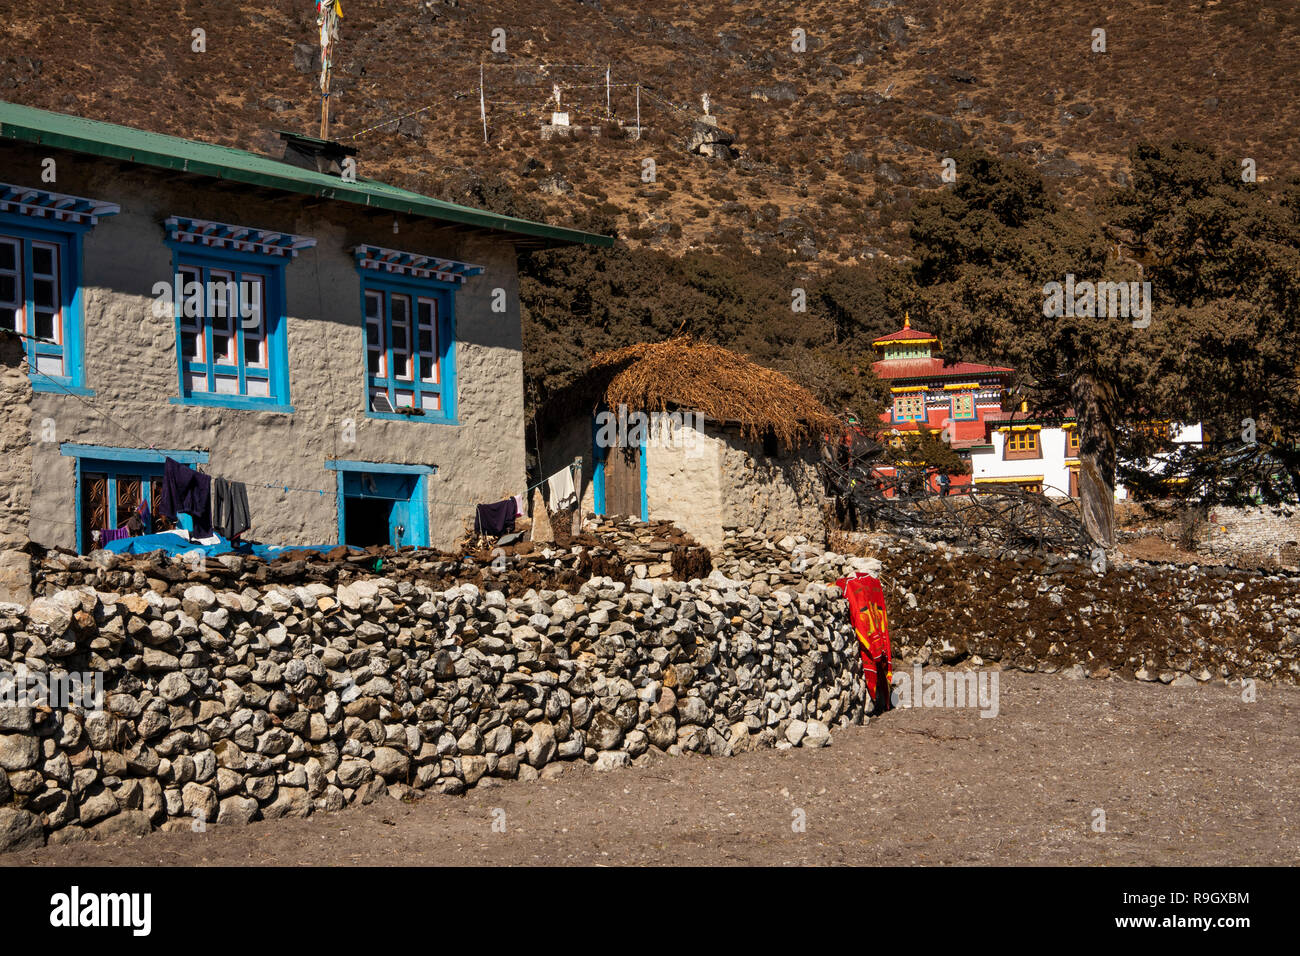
x,y
708,139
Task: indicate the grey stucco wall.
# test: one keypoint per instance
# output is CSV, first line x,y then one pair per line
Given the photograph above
x,y
15,470
131,358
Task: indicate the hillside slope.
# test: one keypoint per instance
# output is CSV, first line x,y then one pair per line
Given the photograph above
x,y
831,144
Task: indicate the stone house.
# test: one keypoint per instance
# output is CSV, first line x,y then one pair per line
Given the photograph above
x,y
694,434
349,350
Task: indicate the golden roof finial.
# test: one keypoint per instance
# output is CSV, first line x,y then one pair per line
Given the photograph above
x,y
907,320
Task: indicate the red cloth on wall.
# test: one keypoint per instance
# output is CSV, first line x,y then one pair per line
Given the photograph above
x,y
871,625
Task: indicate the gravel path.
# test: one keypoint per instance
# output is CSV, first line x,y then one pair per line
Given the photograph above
x,y
1184,776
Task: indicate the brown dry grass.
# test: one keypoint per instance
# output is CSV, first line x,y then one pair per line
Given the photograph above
x,y
1219,71
726,387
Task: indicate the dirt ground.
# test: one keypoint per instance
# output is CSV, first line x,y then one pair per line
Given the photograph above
x,y
1188,776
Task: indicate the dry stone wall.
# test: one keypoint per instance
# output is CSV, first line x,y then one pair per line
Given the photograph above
x,y
227,706
1269,534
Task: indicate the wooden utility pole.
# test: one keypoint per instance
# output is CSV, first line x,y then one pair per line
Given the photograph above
x,y
329,12
325,107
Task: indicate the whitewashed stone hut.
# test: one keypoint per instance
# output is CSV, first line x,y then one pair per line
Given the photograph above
x,y
694,434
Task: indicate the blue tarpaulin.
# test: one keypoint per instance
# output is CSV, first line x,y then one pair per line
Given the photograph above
x,y
174,544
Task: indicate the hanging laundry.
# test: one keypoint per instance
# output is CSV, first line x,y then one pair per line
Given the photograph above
x,y
561,488
495,519
520,510
188,491
230,517
112,534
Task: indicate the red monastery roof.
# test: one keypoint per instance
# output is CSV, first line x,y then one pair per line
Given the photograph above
x,y
933,368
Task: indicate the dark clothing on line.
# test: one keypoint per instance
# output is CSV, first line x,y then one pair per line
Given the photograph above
x,y
185,490
230,517
495,519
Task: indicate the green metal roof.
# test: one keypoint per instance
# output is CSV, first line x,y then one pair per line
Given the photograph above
x,y
61,131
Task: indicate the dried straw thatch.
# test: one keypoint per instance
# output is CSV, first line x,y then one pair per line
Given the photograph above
x,y
686,374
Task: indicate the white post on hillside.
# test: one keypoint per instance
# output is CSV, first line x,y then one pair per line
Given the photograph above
x,y
482,102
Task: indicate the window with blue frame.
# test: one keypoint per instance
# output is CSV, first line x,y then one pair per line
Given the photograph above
x,y
31,297
410,367
909,407
224,346
113,482
231,342
228,297
40,280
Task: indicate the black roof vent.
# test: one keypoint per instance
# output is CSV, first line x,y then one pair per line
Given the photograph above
x,y
307,152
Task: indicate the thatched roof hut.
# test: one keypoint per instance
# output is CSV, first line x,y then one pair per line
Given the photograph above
x,y
683,373
742,455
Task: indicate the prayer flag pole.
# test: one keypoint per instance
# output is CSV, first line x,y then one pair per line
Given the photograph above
x,y
328,15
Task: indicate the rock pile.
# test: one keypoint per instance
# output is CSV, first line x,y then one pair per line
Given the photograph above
x,y
788,562
1173,623
231,705
622,548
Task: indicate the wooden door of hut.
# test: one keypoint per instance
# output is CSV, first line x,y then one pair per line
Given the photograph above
x,y
623,481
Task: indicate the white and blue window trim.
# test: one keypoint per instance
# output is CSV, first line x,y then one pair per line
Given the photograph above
x,y
234,353
41,235
118,464
408,309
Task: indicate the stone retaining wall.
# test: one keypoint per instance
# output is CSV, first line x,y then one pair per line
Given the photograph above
x,y
230,706
1271,535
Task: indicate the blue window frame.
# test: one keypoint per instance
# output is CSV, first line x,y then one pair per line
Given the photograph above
x,y
40,299
111,481
232,346
410,348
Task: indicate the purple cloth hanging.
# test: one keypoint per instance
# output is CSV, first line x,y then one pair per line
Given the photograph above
x,y
186,490
112,534
495,519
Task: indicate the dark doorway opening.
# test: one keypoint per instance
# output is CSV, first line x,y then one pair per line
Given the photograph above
x,y
366,521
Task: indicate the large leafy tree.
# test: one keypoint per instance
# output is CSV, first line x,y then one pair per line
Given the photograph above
x,y
986,249
1223,256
